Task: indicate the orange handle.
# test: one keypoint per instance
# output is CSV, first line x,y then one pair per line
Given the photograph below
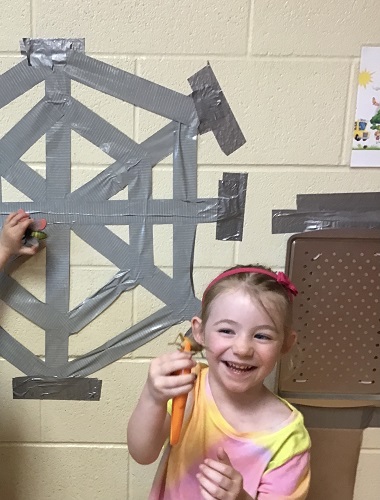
x,y
179,404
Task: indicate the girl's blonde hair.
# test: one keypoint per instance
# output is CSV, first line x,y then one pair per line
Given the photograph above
x,y
272,296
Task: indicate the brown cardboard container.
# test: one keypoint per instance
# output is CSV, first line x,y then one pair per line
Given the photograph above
x,y
334,460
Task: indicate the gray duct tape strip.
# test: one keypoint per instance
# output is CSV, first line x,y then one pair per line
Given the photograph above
x,y
107,183
184,188
19,80
132,159
118,175
83,389
26,180
101,133
141,233
58,185
124,257
130,88
340,418
160,144
88,209
93,306
26,304
214,111
324,211
185,163
20,356
128,341
232,193
57,293
338,202
44,52
120,212
292,221
26,132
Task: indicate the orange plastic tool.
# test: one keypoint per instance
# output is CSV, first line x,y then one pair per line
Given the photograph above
x,y
179,403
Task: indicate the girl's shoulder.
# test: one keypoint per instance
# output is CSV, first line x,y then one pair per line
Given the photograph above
x,y
279,411
278,416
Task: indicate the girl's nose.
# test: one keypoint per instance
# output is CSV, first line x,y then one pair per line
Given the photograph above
x,y
242,347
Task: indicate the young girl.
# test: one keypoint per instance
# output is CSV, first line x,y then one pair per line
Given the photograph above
x,y
239,441
12,236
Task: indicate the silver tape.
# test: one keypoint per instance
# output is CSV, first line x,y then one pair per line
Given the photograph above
x,y
129,340
49,52
58,185
214,111
117,176
292,221
87,210
130,88
22,301
26,132
18,80
120,212
184,188
19,356
338,202
93,306
83,389
125,257
232,194
329,211
26,180
101,133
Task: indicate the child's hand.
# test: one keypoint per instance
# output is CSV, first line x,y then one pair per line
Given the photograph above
x,y
219,480
12,234
162,383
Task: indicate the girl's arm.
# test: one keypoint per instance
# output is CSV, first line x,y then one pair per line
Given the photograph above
x,y
148,427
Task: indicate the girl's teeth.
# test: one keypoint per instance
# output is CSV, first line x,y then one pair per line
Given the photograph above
x,y
239,368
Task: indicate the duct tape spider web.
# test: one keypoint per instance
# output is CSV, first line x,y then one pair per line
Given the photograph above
x,y
88,210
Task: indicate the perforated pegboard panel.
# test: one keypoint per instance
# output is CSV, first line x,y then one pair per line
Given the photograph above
x,y
336,316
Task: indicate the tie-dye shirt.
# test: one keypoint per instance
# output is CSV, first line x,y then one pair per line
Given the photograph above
x,y
274,464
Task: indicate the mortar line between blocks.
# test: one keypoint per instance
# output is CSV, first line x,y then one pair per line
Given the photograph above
x,y
38,444
250,27
31,18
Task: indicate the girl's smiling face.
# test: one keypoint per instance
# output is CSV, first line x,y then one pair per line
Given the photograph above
x,y
242,342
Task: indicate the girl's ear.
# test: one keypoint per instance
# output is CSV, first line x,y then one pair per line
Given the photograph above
x,y
196,329
289,342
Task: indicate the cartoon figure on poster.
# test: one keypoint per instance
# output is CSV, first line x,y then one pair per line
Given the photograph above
x,y
366,133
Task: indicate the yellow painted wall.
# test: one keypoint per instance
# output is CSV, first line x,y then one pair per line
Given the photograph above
x,y
289,70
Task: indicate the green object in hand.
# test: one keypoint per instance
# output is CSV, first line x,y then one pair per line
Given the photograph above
x,y
39,235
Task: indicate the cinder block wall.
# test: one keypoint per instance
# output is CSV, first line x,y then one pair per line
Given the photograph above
x,y
289,70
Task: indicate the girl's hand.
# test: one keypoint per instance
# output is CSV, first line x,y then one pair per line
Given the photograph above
x,y
162,383
12,234
218,479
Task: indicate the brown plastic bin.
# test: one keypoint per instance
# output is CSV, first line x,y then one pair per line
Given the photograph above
x,y
333,374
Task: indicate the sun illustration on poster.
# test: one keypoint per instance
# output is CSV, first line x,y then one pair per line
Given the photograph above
x,y
365,78
89,209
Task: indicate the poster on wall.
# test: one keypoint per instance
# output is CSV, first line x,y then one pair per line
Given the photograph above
x,y
366,133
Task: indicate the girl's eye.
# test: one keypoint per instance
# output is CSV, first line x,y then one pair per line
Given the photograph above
x,y
227,331
262,336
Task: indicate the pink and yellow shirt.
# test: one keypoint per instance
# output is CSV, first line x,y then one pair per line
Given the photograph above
x,y
274,464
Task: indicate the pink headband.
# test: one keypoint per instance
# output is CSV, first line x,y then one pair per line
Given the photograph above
x,y
280,277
